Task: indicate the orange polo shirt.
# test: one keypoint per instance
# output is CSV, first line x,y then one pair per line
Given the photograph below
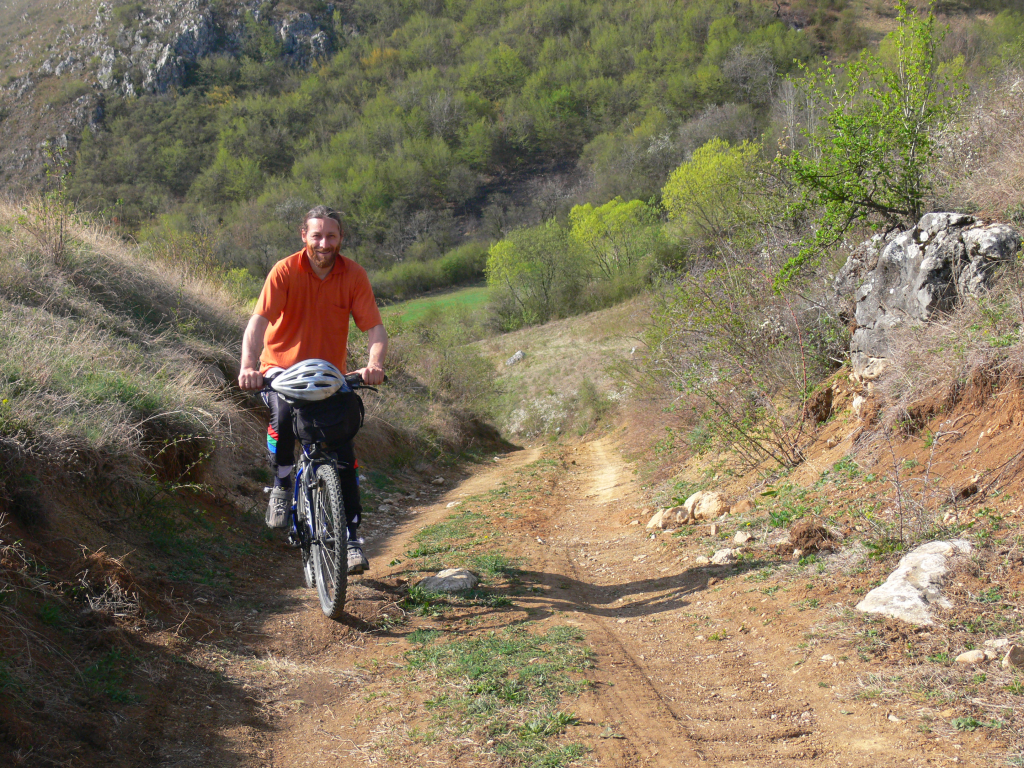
x,y
309,316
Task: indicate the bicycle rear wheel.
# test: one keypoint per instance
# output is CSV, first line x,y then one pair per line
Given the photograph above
x,y
330,548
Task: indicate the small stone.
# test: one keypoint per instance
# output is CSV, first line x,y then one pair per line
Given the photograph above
x,y
971,657
1014,658
742,537
832,442
437,481
635,522
998,645
723,557
680,514
699,561
518,357
713,529
947,713
450,580
828,658
894,719
451,504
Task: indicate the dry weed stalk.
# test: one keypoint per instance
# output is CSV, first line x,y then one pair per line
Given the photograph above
x,y
983,157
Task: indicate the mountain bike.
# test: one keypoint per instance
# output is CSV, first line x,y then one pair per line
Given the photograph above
x,y
318,524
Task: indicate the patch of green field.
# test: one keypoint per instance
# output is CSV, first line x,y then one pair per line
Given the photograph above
x,y
472,298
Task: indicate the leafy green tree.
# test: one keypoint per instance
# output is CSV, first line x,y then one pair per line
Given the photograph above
x,y
870,160
709,195
536,274
616,236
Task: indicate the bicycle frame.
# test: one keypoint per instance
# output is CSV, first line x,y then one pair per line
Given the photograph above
x,y
312,457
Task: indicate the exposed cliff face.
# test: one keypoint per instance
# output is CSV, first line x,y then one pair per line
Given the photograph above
x,y
912,275
61,65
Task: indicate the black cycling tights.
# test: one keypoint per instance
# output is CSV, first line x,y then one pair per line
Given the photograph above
x,y
281,443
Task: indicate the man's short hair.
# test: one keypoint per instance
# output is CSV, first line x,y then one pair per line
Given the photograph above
x,y
323,212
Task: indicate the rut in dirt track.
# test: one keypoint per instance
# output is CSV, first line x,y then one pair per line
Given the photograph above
x,y
660,723
675,694
679,677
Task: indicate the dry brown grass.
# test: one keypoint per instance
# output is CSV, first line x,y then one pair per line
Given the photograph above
x,y
937,359
109,355
982,164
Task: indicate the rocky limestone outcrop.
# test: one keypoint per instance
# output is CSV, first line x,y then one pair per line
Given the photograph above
x,y
129,52
910,276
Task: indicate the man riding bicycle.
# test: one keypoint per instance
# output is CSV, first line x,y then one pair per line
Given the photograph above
x,y
303,313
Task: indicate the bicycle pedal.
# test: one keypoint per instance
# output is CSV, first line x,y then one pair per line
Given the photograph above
x,y
293,540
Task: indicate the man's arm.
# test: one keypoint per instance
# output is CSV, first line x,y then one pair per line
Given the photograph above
x,y
377,347
249,376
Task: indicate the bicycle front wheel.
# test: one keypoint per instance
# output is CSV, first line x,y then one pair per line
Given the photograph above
x,y
330,543
305,533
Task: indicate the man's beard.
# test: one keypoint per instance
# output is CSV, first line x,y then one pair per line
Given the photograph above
x,y
321,260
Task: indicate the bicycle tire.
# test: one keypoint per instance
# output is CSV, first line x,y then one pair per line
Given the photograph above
x,y
308,564
330,548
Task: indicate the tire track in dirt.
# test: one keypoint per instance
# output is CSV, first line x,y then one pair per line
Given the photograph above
x,y
664,695
742,703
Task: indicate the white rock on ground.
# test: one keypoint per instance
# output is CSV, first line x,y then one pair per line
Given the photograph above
x,y
706,505
914,585
971,658
742,537
450,580
723,557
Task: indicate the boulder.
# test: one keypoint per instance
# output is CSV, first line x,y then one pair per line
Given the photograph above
x,y
913,587
518,357
909,276
450,580
706,505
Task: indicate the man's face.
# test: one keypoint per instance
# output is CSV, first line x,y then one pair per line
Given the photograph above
x,y
323,241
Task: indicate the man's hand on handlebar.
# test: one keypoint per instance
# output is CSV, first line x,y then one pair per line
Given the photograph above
x,y
250,378
372,375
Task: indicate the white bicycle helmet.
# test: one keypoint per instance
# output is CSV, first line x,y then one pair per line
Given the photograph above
x,y
309,380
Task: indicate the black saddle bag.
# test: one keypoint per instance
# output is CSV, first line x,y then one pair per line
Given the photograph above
x,y
334,421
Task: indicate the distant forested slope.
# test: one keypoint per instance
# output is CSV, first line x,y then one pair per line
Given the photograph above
x,y
432,112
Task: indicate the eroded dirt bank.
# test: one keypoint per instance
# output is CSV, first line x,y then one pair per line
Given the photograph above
x,y
754,664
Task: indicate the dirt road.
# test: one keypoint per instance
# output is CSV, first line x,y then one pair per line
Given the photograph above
x,y
717,666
